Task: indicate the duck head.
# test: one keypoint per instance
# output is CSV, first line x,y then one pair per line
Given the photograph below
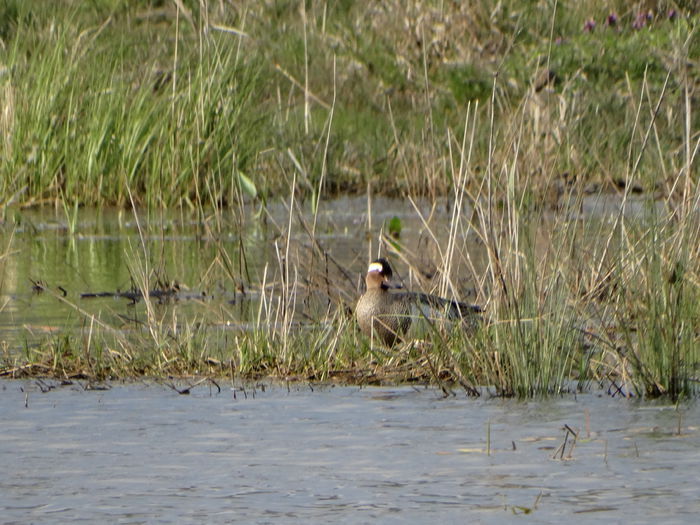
x,y
379,275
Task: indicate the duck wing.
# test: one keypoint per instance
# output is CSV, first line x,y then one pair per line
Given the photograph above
x,y
455,309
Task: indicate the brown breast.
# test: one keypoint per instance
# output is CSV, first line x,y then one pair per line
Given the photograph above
x,y
384,315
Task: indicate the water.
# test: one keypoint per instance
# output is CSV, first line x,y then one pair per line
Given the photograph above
x,y
224,262
141,453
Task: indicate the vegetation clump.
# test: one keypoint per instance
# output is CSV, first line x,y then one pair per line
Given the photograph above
x,y
189,103
517,115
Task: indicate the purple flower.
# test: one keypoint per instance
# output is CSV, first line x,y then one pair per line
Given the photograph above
x,y
640,21
672,14
589,26
611,21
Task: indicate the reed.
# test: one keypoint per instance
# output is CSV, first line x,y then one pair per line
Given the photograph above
x,y
190,103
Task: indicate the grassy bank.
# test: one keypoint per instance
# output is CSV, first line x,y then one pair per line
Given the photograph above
x,y
193,103
517,115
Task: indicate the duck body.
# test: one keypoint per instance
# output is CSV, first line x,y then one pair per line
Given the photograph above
x,y
386,314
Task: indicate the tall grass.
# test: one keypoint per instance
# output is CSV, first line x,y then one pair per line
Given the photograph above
x,y
100,111
184,101
214,106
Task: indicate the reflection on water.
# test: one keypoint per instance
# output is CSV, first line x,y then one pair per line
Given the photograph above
x,y
142,453
226,261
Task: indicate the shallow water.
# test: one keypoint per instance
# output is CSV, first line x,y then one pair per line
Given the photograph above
x,y
225,263
140,453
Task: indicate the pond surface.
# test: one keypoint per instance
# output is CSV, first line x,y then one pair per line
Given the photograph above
x,y
141,453
225,262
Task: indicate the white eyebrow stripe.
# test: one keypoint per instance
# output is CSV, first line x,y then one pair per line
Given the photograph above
x,y
375,267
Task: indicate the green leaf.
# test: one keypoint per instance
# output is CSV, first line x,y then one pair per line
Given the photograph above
x,y
247,185
395,227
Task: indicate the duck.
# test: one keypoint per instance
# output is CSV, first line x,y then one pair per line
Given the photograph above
x,y
385,314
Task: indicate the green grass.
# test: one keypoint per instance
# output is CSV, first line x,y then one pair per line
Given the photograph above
x,y
110,96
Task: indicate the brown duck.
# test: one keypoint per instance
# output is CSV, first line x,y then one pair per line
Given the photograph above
x,y
386,315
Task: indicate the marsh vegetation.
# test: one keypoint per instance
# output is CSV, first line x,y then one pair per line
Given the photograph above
x,y
503,124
